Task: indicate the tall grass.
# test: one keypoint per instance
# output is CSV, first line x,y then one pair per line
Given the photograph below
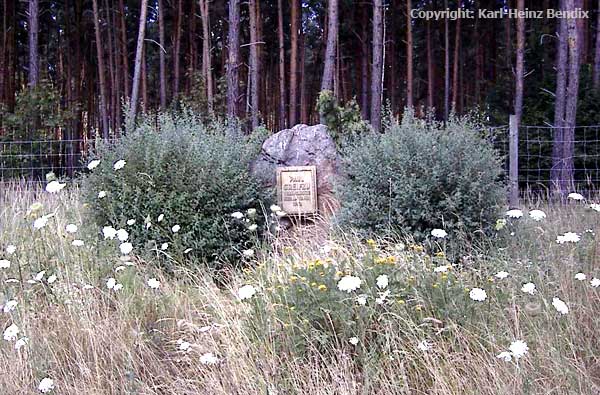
x,y
93,340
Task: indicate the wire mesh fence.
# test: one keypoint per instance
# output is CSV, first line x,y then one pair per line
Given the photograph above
x,y
31,160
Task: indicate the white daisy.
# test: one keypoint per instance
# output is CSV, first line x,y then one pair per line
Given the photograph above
x,y
109,232
11,249
54,186
126,248
119,164
122,235
246,292
580,276
560,306
153,283
349,283
595,282
478,294
518,348
528,288
382,281
46,385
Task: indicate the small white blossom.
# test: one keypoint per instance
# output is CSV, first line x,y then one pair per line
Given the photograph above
x,y
40,275
109,232
560,306
251,212
101,194
528,288
349,283
22,342
382,281
93,164
441,269
160,218
175,228
183,345
439,233
4,263
501,275
478,294
514,213
537,215
11,249
208,359
575,196
249,253
518,348
122,235
353,340
164,246
153,283
274,208
126,248
130,222
52,279
10,306
361,300
46,385
119,164
54,186
11,333
246,292
110,283
237,215
71,228
580,276
41,222
568,237
595,282
78,243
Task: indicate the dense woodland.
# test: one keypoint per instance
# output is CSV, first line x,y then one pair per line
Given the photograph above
x,y
79,68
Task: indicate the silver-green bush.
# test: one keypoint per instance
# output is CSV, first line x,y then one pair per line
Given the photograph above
x,y
419,176
182,172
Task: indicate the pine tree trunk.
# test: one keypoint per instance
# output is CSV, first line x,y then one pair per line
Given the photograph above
x,y
124,51
303,97
206,58
135,90
294,29
519,67
111,72
282,94
162,55
377,68
101,76
254,66
233,39
446,66
596,72
330,50
456,61
409,57
364,68
33,21
430,71
559,104
177,48
574,43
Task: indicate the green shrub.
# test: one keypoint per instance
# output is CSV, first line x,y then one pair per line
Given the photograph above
x,y
344,122
419,176
192,174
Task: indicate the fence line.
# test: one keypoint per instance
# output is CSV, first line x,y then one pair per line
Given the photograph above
x,y
531,156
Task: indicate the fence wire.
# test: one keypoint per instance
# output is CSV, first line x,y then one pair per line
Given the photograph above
x,y
31,160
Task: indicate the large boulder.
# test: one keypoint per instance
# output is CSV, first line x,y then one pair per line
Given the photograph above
x,y
301,145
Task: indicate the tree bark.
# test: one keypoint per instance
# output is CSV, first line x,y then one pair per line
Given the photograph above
x,y
124,51
294,30
559,104
282,94
377,68
254,66
206,58
162,55
456,61
364,68
135,90
101,76
330,50
446,66
177,49
519,67
409,56
430,71
233,39
596,72
33,21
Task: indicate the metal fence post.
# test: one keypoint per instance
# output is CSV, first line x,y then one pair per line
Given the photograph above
x,y
513,164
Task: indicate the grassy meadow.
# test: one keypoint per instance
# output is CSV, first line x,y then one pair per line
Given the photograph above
x,y
81,314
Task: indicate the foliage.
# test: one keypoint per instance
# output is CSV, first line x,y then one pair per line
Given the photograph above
x,y
195,175
37,112
344,122
419,176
